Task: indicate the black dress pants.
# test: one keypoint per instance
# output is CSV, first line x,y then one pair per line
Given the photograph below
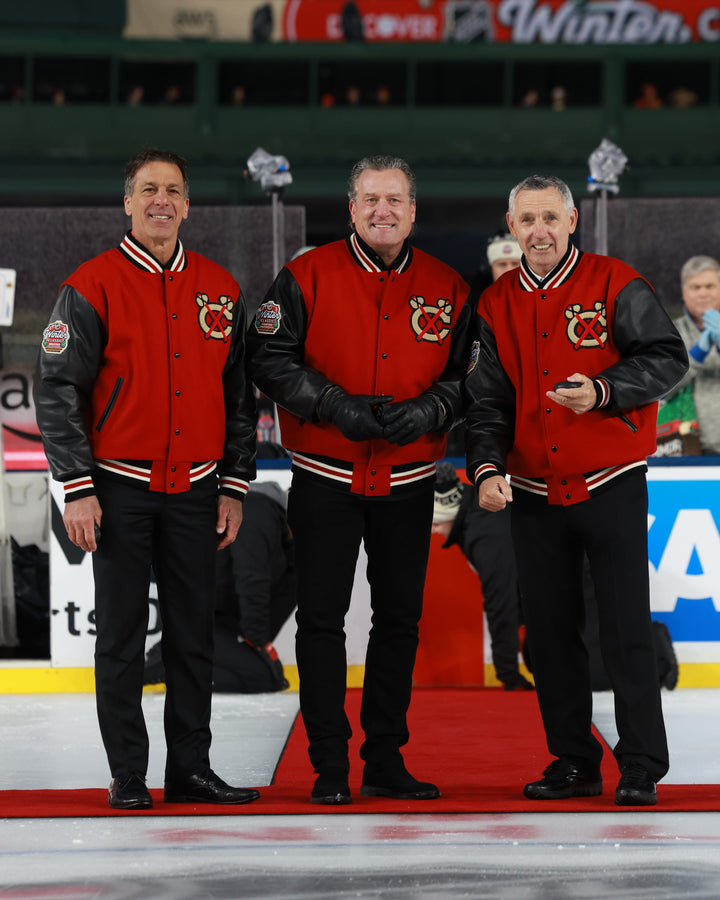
x,y
328,524
550,543
175,534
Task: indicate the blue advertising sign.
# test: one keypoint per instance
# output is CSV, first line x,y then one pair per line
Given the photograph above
x,y
684,553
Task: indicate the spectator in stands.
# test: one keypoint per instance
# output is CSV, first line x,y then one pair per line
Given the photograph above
x,y
362,344
173,94
682,98
142,397
558,98
136,95
576,458
382,95
530,99
256,592
699,327
503,254
485,539
353,95
649,97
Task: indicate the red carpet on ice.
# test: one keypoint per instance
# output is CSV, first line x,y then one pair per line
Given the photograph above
x,y
479,745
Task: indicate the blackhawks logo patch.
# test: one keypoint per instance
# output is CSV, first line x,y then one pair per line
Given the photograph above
x,y
56,337
587,327
267,317
430,322
215,317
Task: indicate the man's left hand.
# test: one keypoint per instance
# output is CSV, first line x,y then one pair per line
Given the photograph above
x,y
229,520
580,399
407,420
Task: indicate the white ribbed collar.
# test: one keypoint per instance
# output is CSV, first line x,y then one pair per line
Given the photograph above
x,y
366,257
143,259
530,281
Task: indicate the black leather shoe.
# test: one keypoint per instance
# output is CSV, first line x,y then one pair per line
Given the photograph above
x,y
129,792
331,788
636,787
206,787
564,778
396,782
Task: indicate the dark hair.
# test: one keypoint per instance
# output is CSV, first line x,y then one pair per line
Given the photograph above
x,y
379,164
149,155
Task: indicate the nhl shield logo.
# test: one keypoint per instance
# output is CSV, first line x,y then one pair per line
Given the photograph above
x,y
267,318
56,337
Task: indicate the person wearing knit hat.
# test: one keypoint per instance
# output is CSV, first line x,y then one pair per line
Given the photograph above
x,y
448,493
503,253
486,543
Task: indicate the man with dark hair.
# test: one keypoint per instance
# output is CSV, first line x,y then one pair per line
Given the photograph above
x,y
143,400
361,343
574,350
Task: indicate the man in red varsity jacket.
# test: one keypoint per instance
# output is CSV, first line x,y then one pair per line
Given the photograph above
x,y
573,352
361,344
143,403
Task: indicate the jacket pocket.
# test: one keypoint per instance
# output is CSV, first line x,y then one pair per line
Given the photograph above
x,y
110,404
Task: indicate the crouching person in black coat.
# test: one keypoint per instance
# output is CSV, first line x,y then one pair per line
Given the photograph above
x,y
255,596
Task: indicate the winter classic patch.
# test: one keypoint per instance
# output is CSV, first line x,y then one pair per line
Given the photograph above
x,y
267,317
56,337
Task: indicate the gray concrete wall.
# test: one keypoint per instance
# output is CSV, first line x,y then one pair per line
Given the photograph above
x,y
45,245
656,236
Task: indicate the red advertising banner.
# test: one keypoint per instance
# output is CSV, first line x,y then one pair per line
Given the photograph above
x,y
504,21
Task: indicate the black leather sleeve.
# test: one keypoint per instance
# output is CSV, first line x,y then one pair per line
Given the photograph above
x,y
490,397
449,386
654,358
63,385
277,360
240,408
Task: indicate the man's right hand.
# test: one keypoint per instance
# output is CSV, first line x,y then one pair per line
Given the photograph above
x,y
80,518
352,413
494,493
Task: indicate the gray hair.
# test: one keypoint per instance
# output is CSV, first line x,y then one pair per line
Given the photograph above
x,y
379,164
540,183
697,264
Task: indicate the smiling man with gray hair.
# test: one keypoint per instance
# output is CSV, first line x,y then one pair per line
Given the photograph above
x,y
573,352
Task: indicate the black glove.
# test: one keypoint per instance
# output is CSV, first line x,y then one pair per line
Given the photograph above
x,y
352,413
406,421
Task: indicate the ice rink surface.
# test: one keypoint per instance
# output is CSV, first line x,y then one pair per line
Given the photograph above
x,y
52,741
